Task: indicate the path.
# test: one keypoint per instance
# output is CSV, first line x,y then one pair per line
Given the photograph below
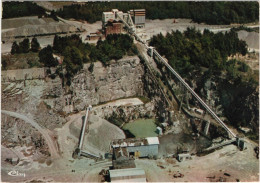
x,y
45,134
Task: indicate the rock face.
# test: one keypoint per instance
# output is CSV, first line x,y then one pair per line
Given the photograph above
x,y
126,112
122,78
46,101
238,103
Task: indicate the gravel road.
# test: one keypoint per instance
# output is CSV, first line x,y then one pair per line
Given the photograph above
x,y
45,134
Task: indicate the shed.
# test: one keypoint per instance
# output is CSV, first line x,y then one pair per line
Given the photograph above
x,y
143,147
127,175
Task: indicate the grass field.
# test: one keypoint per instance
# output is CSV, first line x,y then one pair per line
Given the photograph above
x,y
142,128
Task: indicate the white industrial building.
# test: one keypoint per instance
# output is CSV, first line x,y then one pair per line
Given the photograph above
x,y
138,147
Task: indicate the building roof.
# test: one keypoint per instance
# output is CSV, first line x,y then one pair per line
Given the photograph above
x,y
139,9
126,172
153,140
135,142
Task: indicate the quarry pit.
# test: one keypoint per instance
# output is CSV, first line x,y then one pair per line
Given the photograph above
x,y
124,90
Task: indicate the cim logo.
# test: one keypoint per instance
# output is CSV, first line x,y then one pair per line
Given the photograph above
x,y
16,173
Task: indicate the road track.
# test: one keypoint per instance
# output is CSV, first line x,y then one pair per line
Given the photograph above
x,y
47,137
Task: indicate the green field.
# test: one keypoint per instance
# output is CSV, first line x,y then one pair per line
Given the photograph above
x,y
142,128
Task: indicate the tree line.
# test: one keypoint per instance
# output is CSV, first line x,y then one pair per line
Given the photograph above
x,y
25,46
21,9
221,12
206,12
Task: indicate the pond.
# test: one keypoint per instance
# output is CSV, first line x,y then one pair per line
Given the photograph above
x,y
140,128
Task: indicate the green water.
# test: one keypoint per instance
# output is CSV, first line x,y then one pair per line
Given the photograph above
x,y
142,128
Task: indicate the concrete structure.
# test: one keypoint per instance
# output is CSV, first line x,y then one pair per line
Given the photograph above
x,y
143,147
159,130
127,175
107,16
138,16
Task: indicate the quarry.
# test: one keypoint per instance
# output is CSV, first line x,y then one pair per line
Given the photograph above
x,y
126,121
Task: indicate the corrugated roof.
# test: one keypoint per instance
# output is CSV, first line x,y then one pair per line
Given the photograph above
x,y
130,180
135,142
152,140
126,172
139,10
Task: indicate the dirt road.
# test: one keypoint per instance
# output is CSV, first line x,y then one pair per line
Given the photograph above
x,y
45,134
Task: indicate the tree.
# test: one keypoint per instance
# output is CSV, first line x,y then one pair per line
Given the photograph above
x,y
47,58
24,46
15,48
35,46
91,67
73,60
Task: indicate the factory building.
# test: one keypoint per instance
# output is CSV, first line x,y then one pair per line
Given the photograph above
x,y
113,27
111,23
138,17
142,147
111,15
127,175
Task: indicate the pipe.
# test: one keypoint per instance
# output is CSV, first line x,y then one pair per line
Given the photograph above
x,y
84,127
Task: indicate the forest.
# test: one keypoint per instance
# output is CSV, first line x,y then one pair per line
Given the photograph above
x,y
206,12
221,12
205,55
191,50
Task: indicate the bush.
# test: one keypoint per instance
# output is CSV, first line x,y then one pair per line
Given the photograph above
x,y
53,76
15,48
35,46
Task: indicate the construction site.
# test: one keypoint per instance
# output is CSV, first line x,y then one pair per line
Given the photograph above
x,y
167,142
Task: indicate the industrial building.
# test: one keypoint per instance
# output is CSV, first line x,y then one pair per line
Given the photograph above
x,y
111,15
127,175
138,17
112,22
138,147
113,27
